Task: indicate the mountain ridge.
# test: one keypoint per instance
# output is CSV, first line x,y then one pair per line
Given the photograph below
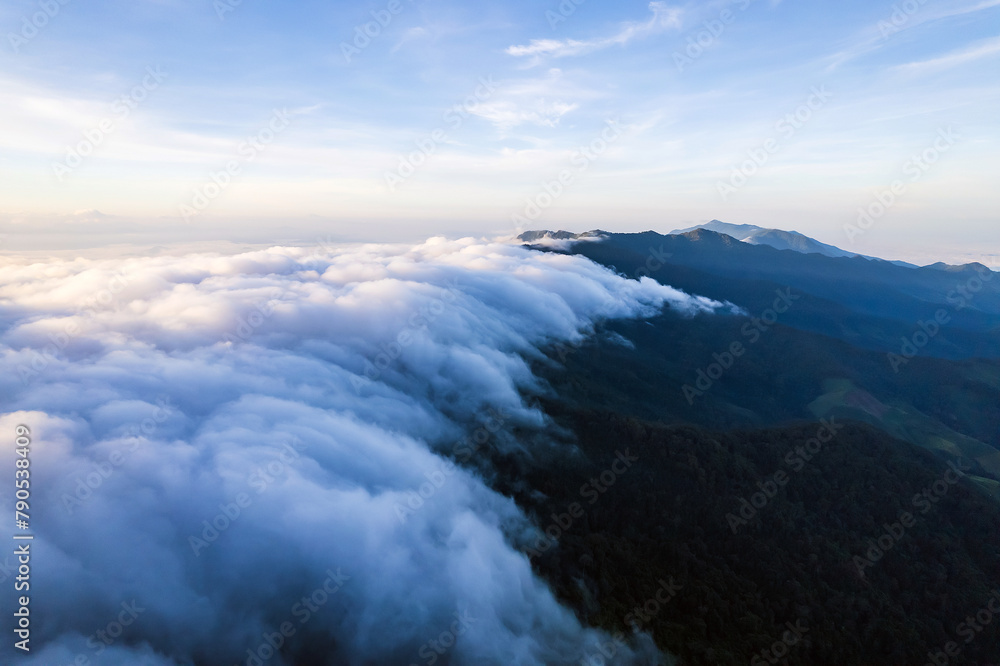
x,y
750,234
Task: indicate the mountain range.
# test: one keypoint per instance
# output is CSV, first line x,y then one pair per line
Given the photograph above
x,y
781,446
779,239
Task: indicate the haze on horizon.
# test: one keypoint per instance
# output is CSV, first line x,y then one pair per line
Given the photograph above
x,y
398,120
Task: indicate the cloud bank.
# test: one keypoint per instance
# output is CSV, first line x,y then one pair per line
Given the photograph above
x,y
250,459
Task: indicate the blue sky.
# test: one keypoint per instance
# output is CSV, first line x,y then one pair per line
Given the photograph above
x,y
527,85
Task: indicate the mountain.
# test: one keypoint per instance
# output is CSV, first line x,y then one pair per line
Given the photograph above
x,y
776,238
871,304
745,539
778,452
781,240
913,352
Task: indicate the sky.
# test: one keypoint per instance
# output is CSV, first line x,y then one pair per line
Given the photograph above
x,y
248,121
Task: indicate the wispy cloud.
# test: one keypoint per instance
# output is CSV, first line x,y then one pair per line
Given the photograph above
x,y
508,114
967,9
877,35
410,35
663,18
539,101
953,59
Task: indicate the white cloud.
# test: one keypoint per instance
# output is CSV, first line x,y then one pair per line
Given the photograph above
x,y
663,18
540,101
981,50
183,377
876,36
507,114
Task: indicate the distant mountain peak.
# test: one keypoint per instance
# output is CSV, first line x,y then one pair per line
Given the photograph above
x,y
952,268
776,238
543,234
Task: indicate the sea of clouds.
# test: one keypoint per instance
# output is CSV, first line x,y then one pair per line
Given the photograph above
x,y
249,459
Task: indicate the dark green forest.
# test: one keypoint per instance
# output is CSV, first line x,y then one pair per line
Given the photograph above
x,y
809,484
665,519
